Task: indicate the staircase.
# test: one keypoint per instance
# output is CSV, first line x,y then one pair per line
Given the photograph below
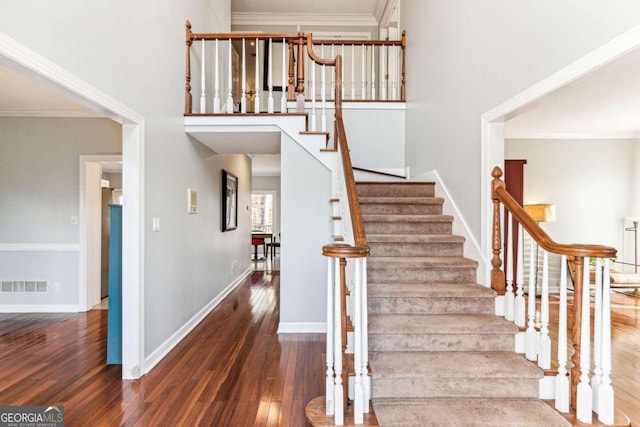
x,y
438,354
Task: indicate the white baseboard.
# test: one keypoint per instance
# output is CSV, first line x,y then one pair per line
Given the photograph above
x,y
154,358
39,247
302,328
39,308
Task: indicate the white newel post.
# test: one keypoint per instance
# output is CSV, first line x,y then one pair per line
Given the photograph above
x,y
230,80
243,96
203,96
562,378
519,308
584,399
605,391
531,337
509,299
544,349
329,380
216,95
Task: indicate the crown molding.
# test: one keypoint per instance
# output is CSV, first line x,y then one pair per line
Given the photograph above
x,y
613,134
326,19
384,11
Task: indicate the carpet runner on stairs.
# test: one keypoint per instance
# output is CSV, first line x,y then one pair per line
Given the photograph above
x,y
438,354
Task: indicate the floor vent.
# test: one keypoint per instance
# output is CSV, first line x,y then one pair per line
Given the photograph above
x,y
24,286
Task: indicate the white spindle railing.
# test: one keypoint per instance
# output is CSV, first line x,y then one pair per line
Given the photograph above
x,y
586,387
230,81
283,98
323,94
243,96
256,79
203,96
509,297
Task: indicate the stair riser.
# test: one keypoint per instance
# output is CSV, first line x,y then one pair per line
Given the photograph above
x,y
421,274
389,227
445,305
441,342
453,387
401,249
400,209
396,190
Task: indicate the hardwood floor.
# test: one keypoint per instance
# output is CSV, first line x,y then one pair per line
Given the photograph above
x,y
232,370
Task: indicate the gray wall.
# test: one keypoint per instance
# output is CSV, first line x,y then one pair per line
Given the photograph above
x,y
39,194
134,51
465,57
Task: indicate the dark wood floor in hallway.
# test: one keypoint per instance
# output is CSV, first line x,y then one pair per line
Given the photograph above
x,y
232,370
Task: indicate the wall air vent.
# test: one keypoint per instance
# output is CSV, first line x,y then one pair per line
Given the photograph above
x,y
24,286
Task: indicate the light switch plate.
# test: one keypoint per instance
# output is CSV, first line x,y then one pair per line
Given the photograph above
x,y
156,224
192,201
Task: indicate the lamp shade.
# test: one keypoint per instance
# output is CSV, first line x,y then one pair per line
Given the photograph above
x,y
541,212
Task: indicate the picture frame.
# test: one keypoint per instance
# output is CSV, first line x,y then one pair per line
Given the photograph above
x,y
229,201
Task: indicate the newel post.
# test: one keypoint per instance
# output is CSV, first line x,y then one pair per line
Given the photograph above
x,y
187,95
497,275
301,42
403,87
291,90
576,328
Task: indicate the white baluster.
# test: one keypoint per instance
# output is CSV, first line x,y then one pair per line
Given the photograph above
x,y
333,75
216,95
283,99
531,337
323,86
337,351
509,301
312,65
394,72
358,399
363,75
383,72
605,391
584,399
353,71
342,69
256,102
329,380
519,306
373,71
562,378
243,96
270,78
597,335
366,380
544,342
203,97
230,80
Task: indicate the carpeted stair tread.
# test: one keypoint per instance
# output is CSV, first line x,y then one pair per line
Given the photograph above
x,y
429,290
414,238
424,261
469,412
439,324
406,218
453,364
401,200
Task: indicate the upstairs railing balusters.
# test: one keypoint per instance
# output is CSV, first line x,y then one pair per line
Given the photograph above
x,y
373,72
270,107
562,379
216,95
383,73
342,73
509,298
230,81
203,96
544,342
283,98
256,107
323,95
353,71
243,96
363,72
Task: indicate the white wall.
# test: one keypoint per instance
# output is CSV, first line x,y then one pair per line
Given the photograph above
x,y
466,57
306,227
134,51
39,190
589,181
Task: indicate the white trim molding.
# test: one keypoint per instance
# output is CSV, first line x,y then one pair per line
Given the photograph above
x,y
164,349
295,19
39,308
302,328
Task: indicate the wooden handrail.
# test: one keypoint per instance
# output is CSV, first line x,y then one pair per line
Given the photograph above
x,y
538,234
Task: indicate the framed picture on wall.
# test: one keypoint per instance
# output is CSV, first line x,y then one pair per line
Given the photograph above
x,y
229,201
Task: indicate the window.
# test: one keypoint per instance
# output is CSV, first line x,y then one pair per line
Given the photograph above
x,y
263,211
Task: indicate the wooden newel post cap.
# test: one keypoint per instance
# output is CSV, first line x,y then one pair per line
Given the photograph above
x,y
343,250
496,173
